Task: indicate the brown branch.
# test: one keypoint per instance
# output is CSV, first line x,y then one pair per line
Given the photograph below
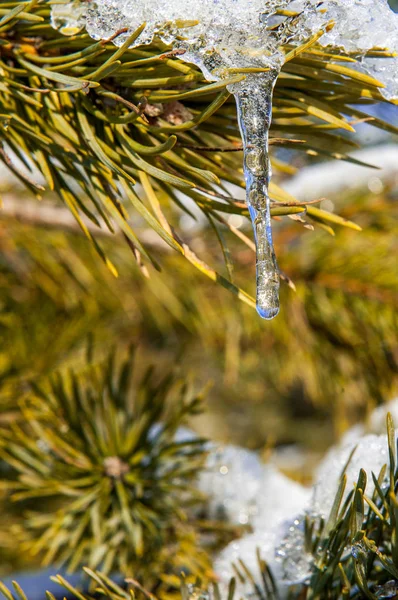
x,y
44,214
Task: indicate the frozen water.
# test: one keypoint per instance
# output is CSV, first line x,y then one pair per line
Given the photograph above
x,y
295,560
359,551
232,480
281,506
376,423
183,434
197,593
215,33
361,25
68,18
220,35
371,454
245,549
353,435
254,108
388,590
244,491
235,33
279,500
384,70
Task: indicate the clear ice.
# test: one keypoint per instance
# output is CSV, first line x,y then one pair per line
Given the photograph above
x,y
291,553
371,454
254,108
220,35
68,18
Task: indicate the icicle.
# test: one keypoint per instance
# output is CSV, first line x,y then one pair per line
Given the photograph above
x,y
254,106
218,35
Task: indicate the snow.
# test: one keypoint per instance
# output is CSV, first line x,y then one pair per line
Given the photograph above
x,y
278,525
245,549
279,498
279,501
282,504
215,32
371,453
376,423
232,480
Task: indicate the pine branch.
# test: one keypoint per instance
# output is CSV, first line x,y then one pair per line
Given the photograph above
x,y
354,552
104,132
97,455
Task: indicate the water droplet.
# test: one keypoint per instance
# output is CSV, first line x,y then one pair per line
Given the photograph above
x,y
267,313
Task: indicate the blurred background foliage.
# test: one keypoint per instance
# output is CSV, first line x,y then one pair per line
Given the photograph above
x,y
328,358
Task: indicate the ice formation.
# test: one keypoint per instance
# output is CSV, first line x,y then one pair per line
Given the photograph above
x,y
282,504
230,28
222,36
243,490
245,549
68,18
371,453
218,36
291,554
232,480
280,497
279,501
388,590
376,423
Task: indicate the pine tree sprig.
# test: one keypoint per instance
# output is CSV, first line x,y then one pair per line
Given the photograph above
x,y
95,121
100,476
356,554
354,551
